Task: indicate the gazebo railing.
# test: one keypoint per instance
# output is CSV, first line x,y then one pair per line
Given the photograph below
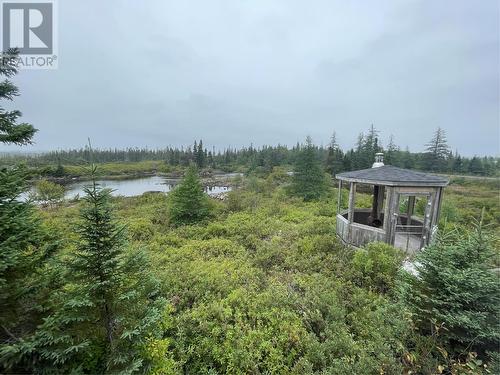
x,y
358,234
342,227
362,234
412,229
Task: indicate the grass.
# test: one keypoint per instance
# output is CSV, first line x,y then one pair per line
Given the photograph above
x,y
465,198
122,168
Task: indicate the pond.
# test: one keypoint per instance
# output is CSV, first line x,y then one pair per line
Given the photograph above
x,y
137,186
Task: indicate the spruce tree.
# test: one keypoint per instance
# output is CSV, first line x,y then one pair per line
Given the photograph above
x,y
436,151
456,290
200,155
188,203
366,148
22,252
23,248
59,171
210,160
309,181
103,317
358,156
476,166
334,158
10,130
391,152
457,164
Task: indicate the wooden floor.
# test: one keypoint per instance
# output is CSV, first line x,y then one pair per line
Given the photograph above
x,y
407,242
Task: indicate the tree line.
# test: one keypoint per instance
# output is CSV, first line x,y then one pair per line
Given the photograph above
x,y
436,157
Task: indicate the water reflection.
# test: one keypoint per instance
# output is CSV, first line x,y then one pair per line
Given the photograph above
x,y
137,186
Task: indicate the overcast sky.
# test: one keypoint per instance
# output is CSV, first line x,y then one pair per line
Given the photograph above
x,y
159,73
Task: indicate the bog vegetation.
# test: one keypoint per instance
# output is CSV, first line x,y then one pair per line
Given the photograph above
x,y
257,283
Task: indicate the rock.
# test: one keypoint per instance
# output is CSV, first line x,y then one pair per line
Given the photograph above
x,y
220,196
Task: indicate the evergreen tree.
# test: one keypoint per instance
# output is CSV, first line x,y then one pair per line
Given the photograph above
x,y
455,288
102,318
436,151
188,203
366,148
23,248
59,171
22,253
330,157
309,180
199,154
10,130
334,159
358,156
391,152
489,166
407,161
476,166
457,164
186,156
213,164
370,147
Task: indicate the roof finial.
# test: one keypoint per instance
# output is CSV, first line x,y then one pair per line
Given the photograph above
x,y
379,160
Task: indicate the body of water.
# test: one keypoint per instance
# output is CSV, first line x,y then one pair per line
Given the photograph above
x,y
136,186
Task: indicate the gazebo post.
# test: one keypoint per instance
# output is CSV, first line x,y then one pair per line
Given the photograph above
x,y
390,219
339,199
350,213
380,201
377,202
437,206
387,213
409,209
352,202
374,213
427,224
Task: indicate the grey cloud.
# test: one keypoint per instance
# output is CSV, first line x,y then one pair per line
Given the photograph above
x,y
161,73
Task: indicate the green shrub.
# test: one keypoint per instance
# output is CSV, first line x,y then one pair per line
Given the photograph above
x,y
140,229
254,184
377,266
277,177
449,212
48,192
245,332
240,200
216,247
327,208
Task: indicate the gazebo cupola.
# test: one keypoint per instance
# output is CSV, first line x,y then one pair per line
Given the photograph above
x,y
394,216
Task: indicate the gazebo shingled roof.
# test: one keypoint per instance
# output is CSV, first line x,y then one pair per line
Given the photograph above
x,y
392,176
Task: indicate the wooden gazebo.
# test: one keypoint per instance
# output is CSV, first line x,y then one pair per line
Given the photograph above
x,y
392,217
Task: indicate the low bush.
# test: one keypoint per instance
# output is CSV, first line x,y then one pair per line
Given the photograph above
x,y
377,265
